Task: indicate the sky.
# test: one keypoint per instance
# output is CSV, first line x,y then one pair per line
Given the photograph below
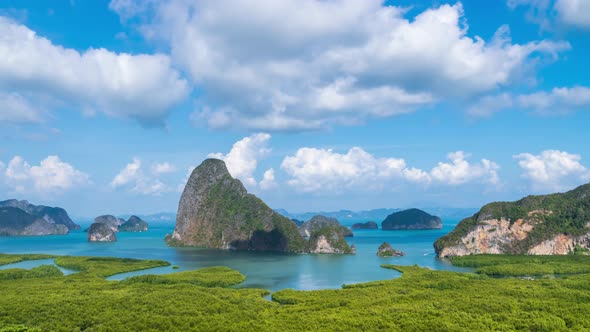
x,y
107,106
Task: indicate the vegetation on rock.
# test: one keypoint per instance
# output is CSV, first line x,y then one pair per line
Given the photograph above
x,y
216,211
134,224
326,236
562,213
385,250
411,219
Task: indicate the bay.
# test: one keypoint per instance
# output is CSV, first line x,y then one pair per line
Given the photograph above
x,y
272,271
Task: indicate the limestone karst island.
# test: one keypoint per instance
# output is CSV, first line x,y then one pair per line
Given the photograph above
x,y
294,165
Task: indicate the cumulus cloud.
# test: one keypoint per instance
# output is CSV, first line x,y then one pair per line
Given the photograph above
x,y
142,87
460,171
242,159
331,62
133,177
553,170
319,170
268,180
51,176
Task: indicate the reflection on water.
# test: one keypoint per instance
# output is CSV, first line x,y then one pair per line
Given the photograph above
x,y
270,271
31,264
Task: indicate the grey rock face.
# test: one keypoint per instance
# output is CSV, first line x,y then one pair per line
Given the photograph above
x,y
53,215
112,221
134,224
318,222
15,222
385,250
101,232
326,236
216,211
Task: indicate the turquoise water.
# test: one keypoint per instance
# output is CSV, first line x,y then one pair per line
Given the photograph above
x,y
264,270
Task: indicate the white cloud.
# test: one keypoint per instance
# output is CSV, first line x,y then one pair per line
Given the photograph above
x,y
306,64
14,108
574,12
141,87
558,101
162,168
242,159
323,170
268,180
561,100
51,176
538,11
553,170
460,171
127,174
488,105
133,177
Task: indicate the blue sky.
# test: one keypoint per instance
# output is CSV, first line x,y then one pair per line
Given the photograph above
x,y
105,106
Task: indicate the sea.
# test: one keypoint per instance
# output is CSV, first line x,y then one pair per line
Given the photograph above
x,y
271,271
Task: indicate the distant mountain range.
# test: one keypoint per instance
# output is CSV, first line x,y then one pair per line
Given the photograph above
x,y
378,215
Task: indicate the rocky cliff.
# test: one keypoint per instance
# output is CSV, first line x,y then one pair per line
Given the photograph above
x,y
385,250
52,215
134,224
101,232
15,222
216,211
411,219
109,220
554,224
318,222
326,236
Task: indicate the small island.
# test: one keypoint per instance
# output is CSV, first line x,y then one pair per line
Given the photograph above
x,y
216,211
411,219
101,232
98,230
365,225
326,236
134,224
385,250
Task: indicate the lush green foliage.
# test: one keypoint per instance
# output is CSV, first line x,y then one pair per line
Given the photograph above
x,y
333,234
15,258
521,265
421,300
106,266
43,271
567,213
18,328
216,276
234,214
411,219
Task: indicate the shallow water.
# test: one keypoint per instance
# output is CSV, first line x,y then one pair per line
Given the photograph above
x,y
270,271
27,265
